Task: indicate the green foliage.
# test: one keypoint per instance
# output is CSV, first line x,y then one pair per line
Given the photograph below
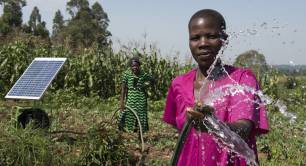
x,y
294,96
12,13
11,29
87,27
4,28
84,136
252,59
92,72
82,133
291,82
85,94
58,24
156,106
162,70
103,147
74,6
41,30
100,146
14,59
100,15
11,19
268,78
268,82
33,146
99,72
285,142
35,18
35,25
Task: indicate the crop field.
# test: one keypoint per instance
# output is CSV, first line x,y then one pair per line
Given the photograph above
x,y
82,105
79,111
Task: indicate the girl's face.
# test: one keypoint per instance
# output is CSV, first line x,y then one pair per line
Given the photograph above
x,y
204,41
135,67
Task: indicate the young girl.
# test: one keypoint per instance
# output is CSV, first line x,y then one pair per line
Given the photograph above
x,y
243,116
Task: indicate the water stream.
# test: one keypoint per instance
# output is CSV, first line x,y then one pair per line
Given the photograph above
x,y
221,132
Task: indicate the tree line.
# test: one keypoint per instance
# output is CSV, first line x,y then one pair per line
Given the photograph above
x,y
86,27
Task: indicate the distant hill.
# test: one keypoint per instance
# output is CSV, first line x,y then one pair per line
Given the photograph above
x,y
297,69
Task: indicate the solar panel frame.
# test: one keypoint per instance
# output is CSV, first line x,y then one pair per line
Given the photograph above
x,y
37,97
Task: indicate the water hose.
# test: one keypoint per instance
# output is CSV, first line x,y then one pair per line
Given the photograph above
x,y
139,124
180,143
184,133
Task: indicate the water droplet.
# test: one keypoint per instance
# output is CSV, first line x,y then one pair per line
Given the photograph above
x,y
264,24
252,32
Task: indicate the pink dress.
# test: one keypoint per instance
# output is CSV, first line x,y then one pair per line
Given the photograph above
x,y
200,147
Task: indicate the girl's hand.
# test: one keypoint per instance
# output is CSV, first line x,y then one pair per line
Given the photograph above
x,y
191,114
199,111
198,114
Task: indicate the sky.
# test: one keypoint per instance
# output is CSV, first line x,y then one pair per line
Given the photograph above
x,y
275,28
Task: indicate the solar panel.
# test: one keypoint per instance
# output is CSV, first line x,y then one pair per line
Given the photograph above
x,y
36,79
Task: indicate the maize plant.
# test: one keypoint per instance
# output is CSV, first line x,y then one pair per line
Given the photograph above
x,y
14,58
91,72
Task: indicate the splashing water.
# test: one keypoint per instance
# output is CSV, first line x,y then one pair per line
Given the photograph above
x,y
219,129
234,89
229,139
283,109
221,132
